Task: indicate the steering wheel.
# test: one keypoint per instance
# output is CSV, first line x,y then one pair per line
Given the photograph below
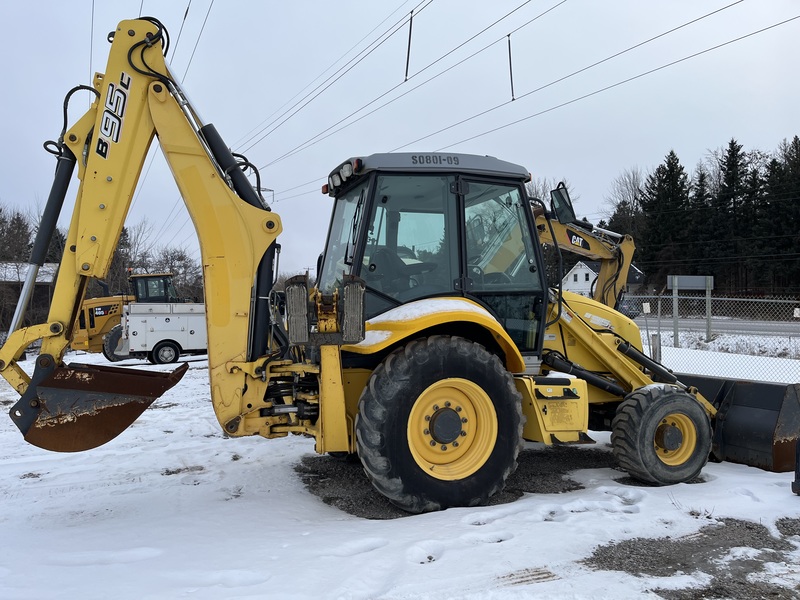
x,y
496,277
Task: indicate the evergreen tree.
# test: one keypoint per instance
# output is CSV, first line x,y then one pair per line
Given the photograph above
x,y
729,217
16,239
700,211
785,214
771,229
665,203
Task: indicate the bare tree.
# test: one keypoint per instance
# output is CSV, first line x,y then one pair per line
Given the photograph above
x,y
624,203
187,274
626,187
540,188
141,246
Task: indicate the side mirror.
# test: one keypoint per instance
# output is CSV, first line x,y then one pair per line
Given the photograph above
x,y
561,205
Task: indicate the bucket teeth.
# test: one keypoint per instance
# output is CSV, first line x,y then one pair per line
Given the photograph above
x,y
79,407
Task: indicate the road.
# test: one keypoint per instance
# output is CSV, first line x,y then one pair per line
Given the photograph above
x,y
775,328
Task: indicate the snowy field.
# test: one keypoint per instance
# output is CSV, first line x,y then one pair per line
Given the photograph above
x,y
171,509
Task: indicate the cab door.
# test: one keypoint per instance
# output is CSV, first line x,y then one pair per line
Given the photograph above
x,y
501,261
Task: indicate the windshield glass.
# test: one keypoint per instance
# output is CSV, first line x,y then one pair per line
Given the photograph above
x,y
408,252
500,252
338,256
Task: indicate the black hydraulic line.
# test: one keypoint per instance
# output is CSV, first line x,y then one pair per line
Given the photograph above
x,y
261,324
661,371
52,210
554,361
227,161
44,235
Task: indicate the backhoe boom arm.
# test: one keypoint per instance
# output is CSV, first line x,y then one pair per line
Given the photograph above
x,y
138,100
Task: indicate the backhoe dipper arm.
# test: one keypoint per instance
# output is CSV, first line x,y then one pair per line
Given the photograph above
x,y
613,251
139,99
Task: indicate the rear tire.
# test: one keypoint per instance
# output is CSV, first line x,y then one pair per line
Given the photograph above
x,y
439,425
111,343
165,352
661,435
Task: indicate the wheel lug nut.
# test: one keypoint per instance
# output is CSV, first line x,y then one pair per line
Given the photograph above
x,y
455,444
433,442
435,407
447,404
458,409
426,431
444,447
463,419
427,417
463,434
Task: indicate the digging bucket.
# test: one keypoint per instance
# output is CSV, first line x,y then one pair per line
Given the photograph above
x,y
758,423
78,407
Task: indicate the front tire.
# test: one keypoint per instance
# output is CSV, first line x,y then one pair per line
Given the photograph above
x,y
110,344
661,435
439,425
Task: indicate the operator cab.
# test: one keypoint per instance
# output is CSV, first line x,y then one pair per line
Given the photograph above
x,y
416,226
152,288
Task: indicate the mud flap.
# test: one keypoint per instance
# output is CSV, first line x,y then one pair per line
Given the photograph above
x,y
78,407
758,423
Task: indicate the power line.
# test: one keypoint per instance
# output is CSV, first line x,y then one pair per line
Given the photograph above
x,y
247,136
565,77
312,141
604,89
199,35
321,136
322,87
177,202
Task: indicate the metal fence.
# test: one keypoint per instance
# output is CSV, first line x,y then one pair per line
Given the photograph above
x,y
745,338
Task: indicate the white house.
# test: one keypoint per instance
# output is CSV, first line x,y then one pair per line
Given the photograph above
x,y
579,279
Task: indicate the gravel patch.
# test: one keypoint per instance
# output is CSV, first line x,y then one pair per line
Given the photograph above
x,y
341,482
730,551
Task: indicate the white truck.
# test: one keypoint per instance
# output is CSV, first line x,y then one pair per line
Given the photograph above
x,y
162,332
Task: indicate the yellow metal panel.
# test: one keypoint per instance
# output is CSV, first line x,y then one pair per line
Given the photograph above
x,y
233,237
553,410
335,434
408,320
355,380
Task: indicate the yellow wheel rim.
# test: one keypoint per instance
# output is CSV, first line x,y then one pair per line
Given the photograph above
x,y
452,429
675,439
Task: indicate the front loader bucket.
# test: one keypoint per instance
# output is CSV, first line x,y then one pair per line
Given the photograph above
x,y
758,423
78,407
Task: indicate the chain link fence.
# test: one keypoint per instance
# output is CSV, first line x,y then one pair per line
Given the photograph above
x,y
744,338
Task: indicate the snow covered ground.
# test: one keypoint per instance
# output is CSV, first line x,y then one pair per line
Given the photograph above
x,y
171,509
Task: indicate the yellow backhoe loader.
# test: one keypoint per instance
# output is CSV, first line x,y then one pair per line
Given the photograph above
x,y
431,345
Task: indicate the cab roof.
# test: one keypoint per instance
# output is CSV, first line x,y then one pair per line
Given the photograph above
x,y
471,164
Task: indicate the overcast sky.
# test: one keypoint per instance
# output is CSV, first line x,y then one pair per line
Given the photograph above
x,y
246,63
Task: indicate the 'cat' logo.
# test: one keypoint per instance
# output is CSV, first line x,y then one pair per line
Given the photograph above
x,y
577,240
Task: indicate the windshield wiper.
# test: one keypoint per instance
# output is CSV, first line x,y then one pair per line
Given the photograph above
x,y
349,250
